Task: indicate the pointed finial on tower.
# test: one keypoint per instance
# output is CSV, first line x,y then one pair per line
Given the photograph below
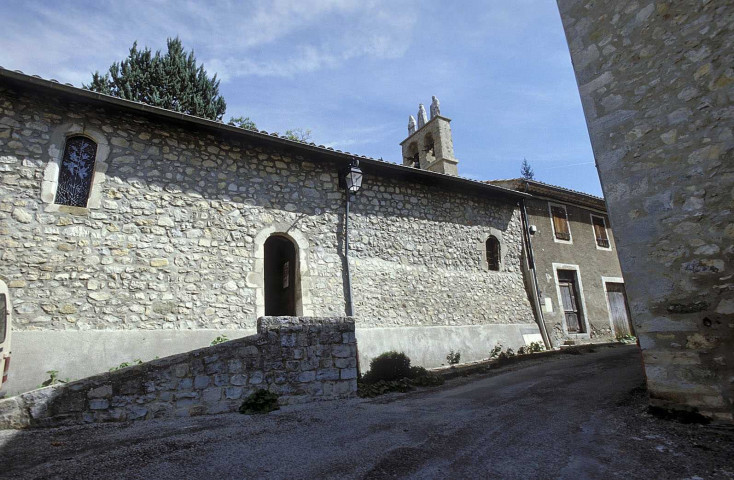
x,y
435,107
411,125
422,119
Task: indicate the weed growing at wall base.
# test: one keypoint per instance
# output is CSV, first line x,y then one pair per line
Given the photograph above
x,y
453,357
218,340
137,361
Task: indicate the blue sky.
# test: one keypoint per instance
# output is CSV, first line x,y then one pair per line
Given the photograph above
x,y
349,70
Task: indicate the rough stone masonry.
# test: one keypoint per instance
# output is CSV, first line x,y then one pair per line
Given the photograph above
x,y
657,85
300,359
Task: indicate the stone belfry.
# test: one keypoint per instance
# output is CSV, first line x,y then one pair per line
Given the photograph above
x,y
430,146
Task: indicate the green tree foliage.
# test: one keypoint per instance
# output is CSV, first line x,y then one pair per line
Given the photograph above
x,y
242,122
298,134
526,170
171,81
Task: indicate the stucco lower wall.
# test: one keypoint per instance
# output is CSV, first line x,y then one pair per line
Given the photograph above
x,y
78,354
428,346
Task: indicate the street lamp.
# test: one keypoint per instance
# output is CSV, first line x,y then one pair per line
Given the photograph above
x,y
352,178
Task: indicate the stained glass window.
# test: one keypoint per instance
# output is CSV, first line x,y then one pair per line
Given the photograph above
x,y
76,171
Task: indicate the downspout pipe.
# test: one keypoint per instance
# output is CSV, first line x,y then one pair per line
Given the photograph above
x,y
531,264
350,308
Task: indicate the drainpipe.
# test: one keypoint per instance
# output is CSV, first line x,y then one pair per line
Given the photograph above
x,y
531,264
350,311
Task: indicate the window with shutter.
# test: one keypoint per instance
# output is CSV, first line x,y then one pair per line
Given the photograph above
x,y
560,223
600,231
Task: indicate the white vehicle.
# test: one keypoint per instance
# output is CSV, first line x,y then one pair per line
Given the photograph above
x,y
5,326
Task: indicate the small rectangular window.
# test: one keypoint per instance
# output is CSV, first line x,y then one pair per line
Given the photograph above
x,y
560,223
600,231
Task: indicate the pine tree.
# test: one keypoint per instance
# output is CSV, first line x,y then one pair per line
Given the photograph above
x,y
171,81
526,170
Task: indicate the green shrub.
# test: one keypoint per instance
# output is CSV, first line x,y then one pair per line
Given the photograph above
x,y
453,357
218,340
428,379
261,401
371,386
495,352
509,353
387,367
382,387
532,347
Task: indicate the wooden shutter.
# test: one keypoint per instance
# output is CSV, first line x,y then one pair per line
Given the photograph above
x,y
600,232
560,223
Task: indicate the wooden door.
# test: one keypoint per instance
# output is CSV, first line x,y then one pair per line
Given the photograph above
x,y
569,297
619,309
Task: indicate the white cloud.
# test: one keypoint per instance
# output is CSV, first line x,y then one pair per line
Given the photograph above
x,y
232,38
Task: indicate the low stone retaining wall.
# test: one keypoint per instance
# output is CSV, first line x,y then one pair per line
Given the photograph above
x,y
301,359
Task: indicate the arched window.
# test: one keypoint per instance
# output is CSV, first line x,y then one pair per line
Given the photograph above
x,y
413,156
429,147
76,172
493,253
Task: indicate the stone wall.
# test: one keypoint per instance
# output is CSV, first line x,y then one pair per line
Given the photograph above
x,y
176,242
301,359
657,86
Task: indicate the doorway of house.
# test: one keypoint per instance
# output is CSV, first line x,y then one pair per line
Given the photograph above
x,y
618,309
568,285
280,277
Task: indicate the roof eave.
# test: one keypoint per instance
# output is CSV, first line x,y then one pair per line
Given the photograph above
x,y
336,155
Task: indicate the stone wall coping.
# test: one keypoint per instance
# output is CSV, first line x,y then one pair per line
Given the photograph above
x,y
277,323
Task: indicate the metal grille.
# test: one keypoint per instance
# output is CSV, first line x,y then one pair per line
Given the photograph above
x,y
75,174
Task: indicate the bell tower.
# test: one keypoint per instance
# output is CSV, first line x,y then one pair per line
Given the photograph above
x,y
430,147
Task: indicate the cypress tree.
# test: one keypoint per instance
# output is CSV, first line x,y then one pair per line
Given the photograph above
x,y
172,81
526,170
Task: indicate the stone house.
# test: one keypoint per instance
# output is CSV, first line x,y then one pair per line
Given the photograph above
x,y
129,231
580,285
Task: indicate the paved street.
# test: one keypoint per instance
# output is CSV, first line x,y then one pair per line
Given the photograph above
x,y
568,417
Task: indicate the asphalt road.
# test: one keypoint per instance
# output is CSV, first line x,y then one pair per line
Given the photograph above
x,y
566,417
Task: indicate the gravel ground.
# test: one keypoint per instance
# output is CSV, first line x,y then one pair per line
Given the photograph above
x,y
567,417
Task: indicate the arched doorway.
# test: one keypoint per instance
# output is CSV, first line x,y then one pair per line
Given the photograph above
x,y
280,276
